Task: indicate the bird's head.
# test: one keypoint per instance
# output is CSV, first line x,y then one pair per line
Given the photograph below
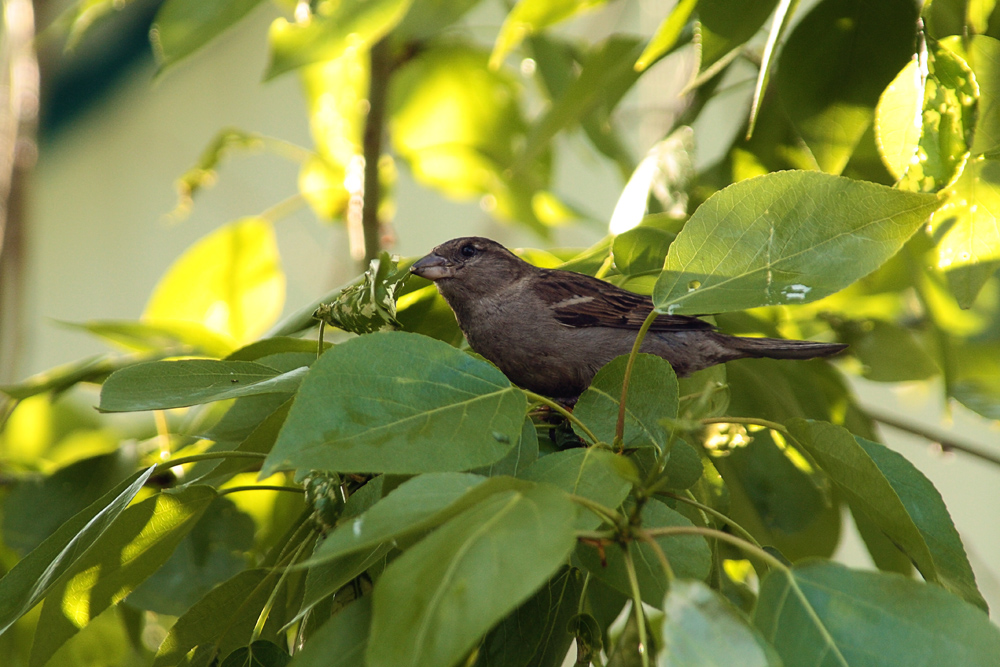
x,y
476,263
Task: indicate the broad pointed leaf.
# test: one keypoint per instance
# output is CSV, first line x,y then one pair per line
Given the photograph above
x,y
785,238
399,402
823,614
435,602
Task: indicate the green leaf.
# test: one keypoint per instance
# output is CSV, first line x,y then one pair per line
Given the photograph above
x,y
822,613
261,653
229,281
967,231
356,24
723,27
521,456
402,403
888,351
779,24
836,63
652,397
341,641
983,56
427,18
641,249
32,577
260,440
214,551
434,603
535,634
212,617
34,509
181,27
531,16
416,505
594,473
689,556
775,493
666,34
606,74
61,378
702,629
884,553
130,550
280,346
158,385
897,498
785,238
181,337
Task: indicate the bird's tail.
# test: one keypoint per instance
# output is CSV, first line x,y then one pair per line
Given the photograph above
x,y
779,348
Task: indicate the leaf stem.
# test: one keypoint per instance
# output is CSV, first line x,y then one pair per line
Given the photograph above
x,y
538,398
283,208
739,543
668,571
207,456
749,421
262,487
610,515
715,513
633,582
258,628
620,426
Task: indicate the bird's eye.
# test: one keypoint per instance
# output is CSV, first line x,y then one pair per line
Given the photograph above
x,y
468,251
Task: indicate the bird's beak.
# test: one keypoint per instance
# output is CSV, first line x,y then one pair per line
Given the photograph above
x,y
433,267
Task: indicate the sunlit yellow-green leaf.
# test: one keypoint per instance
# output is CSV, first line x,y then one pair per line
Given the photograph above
x,y
667,34
457,122
229,281
131,549
898,120
530,16
336,92
835,64
967,229
350,25
949,106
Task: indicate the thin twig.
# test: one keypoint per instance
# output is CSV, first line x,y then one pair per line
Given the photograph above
x,y
740,543
929,434
620,426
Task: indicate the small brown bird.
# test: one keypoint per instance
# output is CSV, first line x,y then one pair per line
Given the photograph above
x,y
550,331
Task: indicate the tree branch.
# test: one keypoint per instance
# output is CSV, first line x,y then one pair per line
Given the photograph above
x,y
946,442
381,70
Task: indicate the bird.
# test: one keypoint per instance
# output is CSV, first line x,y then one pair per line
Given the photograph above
x,y
550,330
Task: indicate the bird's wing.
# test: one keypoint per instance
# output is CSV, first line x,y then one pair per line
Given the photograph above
x,y
578,300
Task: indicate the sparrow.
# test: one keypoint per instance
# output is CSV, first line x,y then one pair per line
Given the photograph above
x,y
550,331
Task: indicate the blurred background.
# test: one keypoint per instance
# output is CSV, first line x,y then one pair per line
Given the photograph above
x,y
99,225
